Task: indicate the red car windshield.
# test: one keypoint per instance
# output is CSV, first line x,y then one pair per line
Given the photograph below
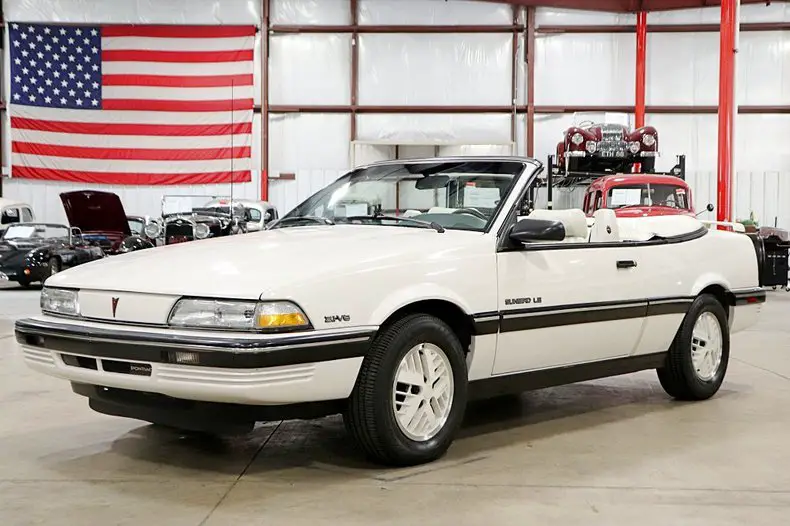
x,y
646,194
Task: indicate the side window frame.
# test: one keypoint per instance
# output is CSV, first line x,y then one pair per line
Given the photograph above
x,y
26,210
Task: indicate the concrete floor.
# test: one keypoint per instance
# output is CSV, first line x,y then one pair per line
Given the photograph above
x,y
611,452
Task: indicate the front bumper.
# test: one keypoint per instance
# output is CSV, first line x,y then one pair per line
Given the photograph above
x,y
8,274
197,365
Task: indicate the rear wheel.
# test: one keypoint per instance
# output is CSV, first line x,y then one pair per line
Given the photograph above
x,y
411,392
698,358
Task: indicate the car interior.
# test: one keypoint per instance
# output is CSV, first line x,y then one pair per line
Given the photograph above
x,y
605,227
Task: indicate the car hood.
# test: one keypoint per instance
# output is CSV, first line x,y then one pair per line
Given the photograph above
x,y
644,211
271,262
94,211
13,253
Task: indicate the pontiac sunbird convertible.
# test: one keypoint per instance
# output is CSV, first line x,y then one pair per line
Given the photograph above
x,y
393,296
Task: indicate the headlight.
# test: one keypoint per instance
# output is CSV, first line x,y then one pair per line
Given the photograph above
x,y
634,146
648,140
60,301
591,146
577,138
202,231
152,230
238,315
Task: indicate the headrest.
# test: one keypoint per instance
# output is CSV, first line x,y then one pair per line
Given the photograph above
x,y
573,219
605,214
441,210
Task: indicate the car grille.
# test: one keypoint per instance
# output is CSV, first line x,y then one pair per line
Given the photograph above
x,y
179,232
612,143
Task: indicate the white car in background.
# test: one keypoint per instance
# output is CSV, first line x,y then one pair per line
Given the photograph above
x,y
256,214
13,211
393,296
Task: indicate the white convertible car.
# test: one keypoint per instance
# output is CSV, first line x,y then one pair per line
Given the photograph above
x,y
392,297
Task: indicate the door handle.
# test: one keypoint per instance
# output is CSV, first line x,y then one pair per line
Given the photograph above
x,y
626,263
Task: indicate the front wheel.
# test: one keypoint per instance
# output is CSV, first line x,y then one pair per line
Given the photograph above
x,y
411,392
698,357
54,266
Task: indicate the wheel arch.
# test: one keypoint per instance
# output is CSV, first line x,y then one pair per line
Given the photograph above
x,y
723,294
446,310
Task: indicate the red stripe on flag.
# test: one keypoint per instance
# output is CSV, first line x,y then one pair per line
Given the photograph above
x,y
178,82
164,130
142,55
127,154
177,105
163,31
25,172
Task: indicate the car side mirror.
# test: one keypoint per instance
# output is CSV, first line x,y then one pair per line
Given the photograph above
x,y
528,230
708,208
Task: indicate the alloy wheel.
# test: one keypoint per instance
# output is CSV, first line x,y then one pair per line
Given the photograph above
x,y
423,392
706,346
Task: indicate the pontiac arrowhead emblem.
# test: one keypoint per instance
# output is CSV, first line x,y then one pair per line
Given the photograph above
x,y
114,306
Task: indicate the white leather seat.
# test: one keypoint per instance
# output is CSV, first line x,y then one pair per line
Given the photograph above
x,y
573,219
441,210
411,213
605,228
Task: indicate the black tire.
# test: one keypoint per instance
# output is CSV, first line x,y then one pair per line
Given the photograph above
x,y
54,266
24,283
370,417
679,377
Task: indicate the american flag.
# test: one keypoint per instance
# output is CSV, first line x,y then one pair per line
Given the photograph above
x,y
131,104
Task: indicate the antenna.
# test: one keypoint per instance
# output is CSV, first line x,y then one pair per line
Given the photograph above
x,y
232,153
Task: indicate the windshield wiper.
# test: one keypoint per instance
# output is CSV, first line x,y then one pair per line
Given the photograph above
x,y
297,219
425,224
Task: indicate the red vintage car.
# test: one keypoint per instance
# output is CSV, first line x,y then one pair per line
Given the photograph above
x,y
597,147
639,195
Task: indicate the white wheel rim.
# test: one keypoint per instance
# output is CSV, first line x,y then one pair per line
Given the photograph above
x,y
706,346
422,393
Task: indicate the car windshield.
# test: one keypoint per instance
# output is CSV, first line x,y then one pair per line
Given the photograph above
x,y
35,231
457,194
136,226
647,194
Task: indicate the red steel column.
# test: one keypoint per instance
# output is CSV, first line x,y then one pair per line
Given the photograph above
x,y
726,109
265,101
641,67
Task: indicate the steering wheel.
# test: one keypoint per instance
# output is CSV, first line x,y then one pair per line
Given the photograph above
x,y
471,212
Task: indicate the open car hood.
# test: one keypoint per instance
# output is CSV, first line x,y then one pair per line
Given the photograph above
x,y
94,211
